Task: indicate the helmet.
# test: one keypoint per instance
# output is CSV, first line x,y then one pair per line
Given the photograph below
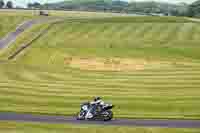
x,y
97,98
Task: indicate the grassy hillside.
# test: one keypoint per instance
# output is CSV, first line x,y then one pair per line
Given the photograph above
x,y
143,38
154,93
10,127
147,67
9,21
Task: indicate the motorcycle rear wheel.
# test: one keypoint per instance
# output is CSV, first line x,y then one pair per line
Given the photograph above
x,y
109,116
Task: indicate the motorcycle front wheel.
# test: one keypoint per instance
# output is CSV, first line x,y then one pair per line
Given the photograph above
x,y
108,116
80,115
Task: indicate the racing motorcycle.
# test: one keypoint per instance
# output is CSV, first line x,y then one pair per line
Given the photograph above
x,y
95,112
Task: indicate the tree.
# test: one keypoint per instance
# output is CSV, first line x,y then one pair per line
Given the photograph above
x,y
34,5
194,9
29,5
9,4
191,12
2,3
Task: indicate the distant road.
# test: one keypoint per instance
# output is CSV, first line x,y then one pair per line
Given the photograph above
x,y
12,36
118,122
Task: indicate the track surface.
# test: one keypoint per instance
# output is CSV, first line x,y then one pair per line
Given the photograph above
x,y
117,122
11,37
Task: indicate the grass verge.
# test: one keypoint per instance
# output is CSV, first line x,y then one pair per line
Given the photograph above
x,y
10,127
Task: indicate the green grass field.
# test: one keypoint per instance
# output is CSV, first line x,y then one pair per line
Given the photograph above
x,y
10,127
147,66
160,93
10,20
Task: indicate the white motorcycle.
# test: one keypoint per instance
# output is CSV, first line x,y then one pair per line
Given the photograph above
x,y
95,112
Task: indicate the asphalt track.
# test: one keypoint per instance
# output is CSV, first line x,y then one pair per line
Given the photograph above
x,y
117,122
11,37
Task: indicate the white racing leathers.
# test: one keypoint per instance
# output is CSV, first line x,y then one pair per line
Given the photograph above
x,y
100,102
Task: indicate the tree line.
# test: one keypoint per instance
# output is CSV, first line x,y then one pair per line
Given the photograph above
x,y
194,9
148,8
4,4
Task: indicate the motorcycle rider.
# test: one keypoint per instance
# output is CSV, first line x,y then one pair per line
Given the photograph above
x,y
98,102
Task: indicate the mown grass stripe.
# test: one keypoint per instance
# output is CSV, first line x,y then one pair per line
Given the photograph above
x,y
107,90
